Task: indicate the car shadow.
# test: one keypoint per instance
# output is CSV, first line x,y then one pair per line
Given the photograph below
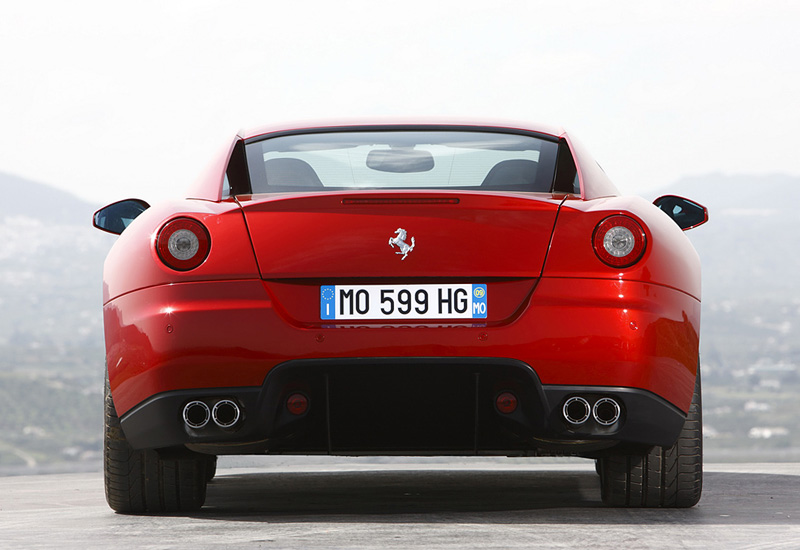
x,y
480,496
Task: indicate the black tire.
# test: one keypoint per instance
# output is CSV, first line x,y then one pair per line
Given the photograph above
x,y
211,467
141,481
665,477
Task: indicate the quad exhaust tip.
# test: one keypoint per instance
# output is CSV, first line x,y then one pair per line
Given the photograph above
x,y
606,411
225,414
577,410
196,414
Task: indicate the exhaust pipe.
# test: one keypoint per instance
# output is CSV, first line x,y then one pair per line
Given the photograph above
x,y
226,413
577,410
196,414
606,411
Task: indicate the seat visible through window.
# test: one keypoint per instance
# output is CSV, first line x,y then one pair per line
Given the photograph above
x,y
289,172
513,174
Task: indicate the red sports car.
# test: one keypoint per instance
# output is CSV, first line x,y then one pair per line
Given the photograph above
x,y
402,289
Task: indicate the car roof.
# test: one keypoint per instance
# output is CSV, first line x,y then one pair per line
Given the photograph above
x,y
401,123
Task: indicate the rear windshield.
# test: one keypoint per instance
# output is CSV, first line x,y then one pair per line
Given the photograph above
x,y
402,160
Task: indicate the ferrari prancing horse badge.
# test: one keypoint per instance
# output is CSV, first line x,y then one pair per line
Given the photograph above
x,y
400,241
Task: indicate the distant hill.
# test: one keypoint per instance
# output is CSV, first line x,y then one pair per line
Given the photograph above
x,y
51,336
748,248
750,336
724,193
23,197
51,261
51,332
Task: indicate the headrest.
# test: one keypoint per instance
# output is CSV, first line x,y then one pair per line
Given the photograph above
x,y
513,172
289,172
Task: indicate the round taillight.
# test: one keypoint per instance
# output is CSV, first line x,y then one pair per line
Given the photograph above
x,y
506,402
297,403
183,244
619,241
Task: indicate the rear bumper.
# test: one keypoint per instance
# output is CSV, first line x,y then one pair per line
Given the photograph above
x,y
571,332
230,338
404,406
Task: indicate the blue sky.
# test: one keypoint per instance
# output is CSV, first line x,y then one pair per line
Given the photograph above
x,y
110,102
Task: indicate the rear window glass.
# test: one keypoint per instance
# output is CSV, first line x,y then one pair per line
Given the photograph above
x,y
402,160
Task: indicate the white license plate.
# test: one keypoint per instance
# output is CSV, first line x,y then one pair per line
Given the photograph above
x,y
403,301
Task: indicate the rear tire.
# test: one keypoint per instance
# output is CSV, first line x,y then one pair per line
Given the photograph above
x,y
141,481
664,477
211,467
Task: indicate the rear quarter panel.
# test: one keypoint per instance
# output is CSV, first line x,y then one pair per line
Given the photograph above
x,y
657,300
669,258
133,262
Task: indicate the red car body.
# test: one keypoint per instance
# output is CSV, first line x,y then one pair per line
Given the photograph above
x,y
245,327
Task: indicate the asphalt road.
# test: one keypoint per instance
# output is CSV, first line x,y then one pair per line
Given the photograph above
x,y
405,503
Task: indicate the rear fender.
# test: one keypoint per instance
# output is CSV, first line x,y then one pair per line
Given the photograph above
x,y
669,258
133,262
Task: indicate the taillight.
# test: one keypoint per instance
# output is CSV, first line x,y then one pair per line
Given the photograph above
x,y
619,241
183,244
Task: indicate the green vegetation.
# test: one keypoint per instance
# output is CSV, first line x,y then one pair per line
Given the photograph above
x,y
49,419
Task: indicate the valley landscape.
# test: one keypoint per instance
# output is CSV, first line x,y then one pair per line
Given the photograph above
x,y
51,338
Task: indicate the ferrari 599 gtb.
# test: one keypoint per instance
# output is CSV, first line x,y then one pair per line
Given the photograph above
x,y
402,289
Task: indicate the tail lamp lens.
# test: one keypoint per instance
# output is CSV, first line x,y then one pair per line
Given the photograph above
x,y
183,244
619,241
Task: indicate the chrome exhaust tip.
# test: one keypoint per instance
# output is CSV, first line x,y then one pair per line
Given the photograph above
x,y
226,413
577,410
196,414
606,411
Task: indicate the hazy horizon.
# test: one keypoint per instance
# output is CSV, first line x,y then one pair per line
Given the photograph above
x,y
51,337
108,101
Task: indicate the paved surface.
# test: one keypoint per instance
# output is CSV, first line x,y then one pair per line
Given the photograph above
x,y
409,504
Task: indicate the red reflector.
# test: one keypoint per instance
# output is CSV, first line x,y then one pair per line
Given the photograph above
x,y
506,402
297,404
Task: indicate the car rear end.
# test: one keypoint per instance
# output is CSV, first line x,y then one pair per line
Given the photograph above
x,y
405,290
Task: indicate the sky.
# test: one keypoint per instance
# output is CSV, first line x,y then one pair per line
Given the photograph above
x,y
110,101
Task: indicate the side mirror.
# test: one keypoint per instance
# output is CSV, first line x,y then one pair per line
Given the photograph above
x,y
687,214
115,217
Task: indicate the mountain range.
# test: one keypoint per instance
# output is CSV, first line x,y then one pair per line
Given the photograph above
x,y
51,341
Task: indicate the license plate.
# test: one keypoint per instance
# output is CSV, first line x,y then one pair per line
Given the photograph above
x,y
403,301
